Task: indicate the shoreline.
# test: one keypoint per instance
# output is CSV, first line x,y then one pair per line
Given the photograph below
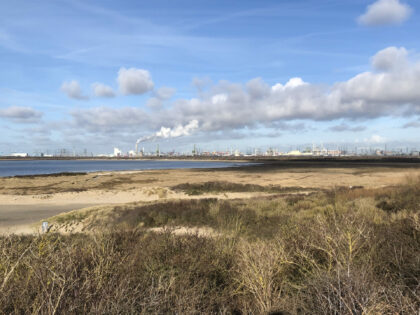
x,y
348,158
65,192
263,162
126,171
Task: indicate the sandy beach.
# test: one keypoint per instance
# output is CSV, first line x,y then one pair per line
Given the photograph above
x,y
25,201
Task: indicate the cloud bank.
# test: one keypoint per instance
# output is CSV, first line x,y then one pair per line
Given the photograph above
x,y
389,89
345,127
385,12
20,114
160,95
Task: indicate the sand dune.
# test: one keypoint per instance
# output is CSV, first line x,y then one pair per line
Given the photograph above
x,y
26,201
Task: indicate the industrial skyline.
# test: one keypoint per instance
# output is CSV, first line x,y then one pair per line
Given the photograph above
x,y
154,150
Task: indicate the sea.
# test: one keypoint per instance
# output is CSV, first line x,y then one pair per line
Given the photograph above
x,y
38,167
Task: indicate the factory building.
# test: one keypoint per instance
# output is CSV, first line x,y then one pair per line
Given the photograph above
x,y
19,154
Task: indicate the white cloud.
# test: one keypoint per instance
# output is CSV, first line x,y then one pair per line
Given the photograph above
x,y
375,139
257,88
178,131
164,93
294,82
219,98
20,114
160,95
165,132
102,90
73,90
391,88
393,91
154,103
390,58
385,12
291,84
134,81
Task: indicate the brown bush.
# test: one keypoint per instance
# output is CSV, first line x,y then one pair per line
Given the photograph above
x,y
333,253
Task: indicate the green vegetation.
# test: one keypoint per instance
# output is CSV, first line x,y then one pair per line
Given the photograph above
x,y
345,251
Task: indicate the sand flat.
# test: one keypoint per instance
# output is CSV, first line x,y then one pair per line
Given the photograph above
x,y
25,201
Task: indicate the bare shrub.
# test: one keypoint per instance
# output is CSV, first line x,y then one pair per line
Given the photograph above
x,y
327,253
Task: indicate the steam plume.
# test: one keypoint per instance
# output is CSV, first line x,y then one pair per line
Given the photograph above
x,y
165,133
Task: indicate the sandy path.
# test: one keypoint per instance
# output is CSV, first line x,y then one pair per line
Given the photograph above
x,y
19,214
85,197
19,218
24,214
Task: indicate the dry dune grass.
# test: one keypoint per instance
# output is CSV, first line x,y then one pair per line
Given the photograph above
x,y
335,250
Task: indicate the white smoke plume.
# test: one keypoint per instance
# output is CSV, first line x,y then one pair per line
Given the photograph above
x,y
165,133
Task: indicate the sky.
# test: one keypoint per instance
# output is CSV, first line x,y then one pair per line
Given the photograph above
x,y
219,74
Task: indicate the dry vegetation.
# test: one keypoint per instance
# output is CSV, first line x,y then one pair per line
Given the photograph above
x,y
341,251
223,187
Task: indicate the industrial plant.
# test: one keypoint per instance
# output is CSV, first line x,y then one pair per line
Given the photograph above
x,y
155,151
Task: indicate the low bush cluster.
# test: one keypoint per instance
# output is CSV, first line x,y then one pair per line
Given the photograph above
x,y
223,187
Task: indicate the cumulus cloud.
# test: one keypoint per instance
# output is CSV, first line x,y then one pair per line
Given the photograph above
x,y
390,88
390,58
102,90
385,12
291,84
219,98
20,114
154,103
160,95
134,81
391,91
73,90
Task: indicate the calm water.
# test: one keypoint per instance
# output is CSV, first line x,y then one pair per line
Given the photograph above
x,y
12,168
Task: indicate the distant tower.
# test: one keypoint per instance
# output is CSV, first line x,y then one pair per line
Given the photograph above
x,y
194,151
157,150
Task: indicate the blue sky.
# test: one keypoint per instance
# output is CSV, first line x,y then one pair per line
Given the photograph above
x,y
99,74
